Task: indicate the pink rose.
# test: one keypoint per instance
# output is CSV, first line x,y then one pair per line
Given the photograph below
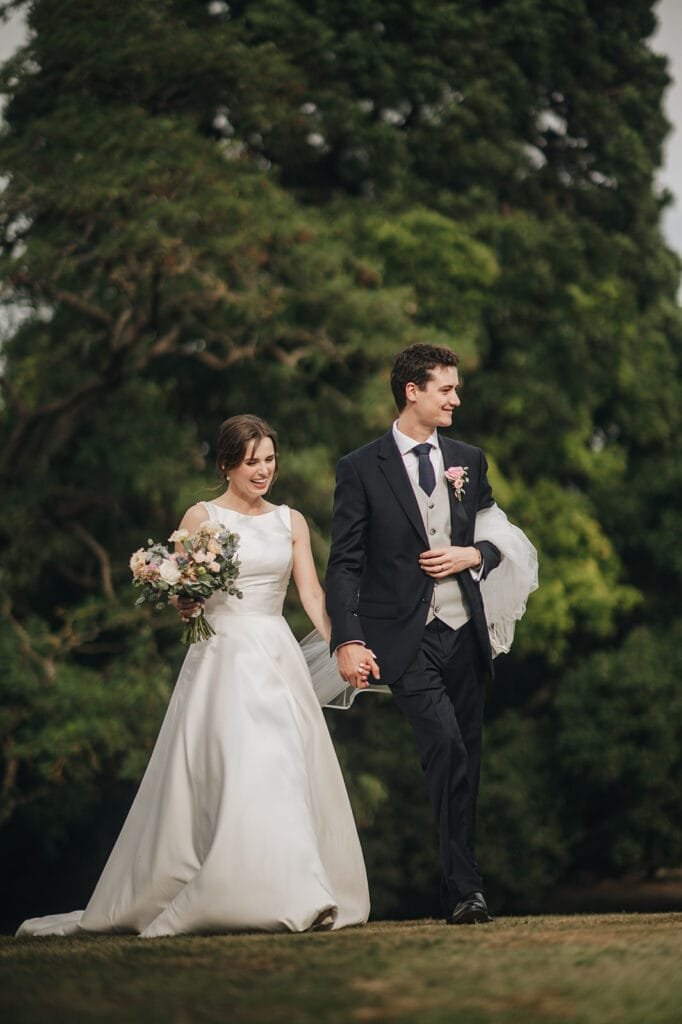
x,y
457,476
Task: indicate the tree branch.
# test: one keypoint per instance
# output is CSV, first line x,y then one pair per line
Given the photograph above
x,y
235,355
102,557
164,345
13,396
46,665
59,295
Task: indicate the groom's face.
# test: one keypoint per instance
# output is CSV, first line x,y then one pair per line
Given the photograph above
x,y
433,405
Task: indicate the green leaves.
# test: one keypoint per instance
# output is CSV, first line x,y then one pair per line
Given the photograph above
x,y
619,741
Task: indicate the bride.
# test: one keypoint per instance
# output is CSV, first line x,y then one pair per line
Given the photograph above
x,y
242,820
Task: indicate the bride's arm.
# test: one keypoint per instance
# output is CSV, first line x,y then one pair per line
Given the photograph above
x,y
306,578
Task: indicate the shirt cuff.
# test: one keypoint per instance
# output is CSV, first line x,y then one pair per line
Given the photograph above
x,y
477,573
347,643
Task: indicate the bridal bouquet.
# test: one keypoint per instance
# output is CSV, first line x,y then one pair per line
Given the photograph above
x,y
207,563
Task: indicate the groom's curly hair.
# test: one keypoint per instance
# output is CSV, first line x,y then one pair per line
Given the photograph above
x,y
413,366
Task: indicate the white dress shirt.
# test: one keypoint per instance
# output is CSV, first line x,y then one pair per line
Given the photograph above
x,y
411,459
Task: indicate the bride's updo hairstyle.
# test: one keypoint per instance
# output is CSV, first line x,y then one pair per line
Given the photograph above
x,y
238,438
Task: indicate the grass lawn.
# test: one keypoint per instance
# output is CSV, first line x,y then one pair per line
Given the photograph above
x,y
595,969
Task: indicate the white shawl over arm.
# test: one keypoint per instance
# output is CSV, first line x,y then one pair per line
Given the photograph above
x,y
506,590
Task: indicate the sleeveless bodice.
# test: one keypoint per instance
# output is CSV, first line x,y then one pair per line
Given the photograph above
x,y
265,555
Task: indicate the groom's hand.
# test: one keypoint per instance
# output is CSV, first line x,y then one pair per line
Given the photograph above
x,y
355,664
441,562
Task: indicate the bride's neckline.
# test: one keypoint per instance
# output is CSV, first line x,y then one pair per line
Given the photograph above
x,y
246,515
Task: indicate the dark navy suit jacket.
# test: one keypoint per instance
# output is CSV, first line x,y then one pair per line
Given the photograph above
x,y
376,591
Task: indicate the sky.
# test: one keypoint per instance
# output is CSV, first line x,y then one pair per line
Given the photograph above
x,y
12,34
667,40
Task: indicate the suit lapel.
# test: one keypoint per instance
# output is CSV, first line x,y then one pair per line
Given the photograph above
x,y
459,520
392,466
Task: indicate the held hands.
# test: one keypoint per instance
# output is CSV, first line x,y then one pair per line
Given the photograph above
x,y
441,562
355,664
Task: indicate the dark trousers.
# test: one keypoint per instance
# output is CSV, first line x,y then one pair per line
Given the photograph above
x,y
441,695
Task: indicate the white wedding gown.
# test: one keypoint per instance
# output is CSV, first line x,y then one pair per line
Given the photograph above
x,y
242,820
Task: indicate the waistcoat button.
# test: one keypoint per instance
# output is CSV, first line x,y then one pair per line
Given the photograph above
x,y
432,530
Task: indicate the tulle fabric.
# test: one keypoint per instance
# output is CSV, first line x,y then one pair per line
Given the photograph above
x,y
506,590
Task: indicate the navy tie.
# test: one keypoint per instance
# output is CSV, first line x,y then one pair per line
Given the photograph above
x,y
427,477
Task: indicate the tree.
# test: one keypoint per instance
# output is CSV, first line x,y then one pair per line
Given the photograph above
x,y
619,742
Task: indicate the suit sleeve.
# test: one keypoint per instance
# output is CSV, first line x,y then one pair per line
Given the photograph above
x,y
347,555
489,553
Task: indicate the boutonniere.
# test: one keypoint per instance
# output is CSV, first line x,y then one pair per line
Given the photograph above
x,y
457,477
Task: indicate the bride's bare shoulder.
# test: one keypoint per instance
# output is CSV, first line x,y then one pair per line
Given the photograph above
x,y
194,517
299,525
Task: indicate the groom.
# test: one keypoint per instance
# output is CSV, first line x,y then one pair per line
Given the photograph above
x,y
403,597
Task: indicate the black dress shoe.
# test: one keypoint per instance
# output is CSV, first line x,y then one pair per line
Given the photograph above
x,y
471,910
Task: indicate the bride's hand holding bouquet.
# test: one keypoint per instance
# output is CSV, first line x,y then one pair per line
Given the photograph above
x,y
205,561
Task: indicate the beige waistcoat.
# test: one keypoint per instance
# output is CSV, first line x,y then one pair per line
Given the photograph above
x,y
447,603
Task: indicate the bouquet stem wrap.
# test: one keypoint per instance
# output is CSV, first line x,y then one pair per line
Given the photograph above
x,y
198,628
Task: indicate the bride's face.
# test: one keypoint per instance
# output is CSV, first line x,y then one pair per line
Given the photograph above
x,y
254,476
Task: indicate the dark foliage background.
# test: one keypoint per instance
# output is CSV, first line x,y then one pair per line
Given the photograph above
x,y
209,209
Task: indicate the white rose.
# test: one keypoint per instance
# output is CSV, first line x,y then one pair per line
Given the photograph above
x,y
210,527
169,572
178,536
